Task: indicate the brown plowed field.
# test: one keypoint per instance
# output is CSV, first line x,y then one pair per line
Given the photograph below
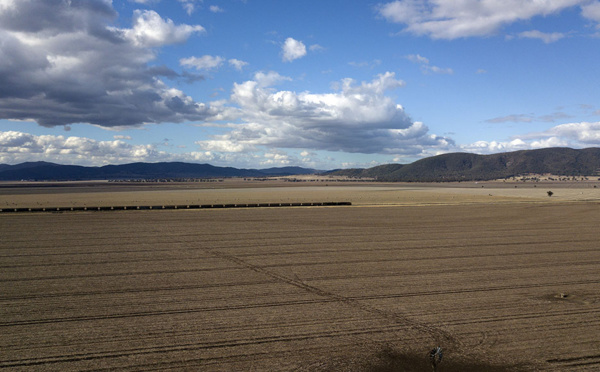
x,y
501,282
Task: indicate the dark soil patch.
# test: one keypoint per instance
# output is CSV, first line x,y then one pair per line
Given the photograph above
x,y
390,360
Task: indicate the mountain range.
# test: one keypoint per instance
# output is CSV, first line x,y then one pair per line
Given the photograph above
x,y
559,161
447,167
43,171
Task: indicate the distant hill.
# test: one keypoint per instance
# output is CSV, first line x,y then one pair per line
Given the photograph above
x,y
447,167
288,171
43,171
467,166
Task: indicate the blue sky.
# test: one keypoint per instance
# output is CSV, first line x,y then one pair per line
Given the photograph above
x,y
319,84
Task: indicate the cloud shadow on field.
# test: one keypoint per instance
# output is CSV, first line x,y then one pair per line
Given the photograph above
x,y
387,359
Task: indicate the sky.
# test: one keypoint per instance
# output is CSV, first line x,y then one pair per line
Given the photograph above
x,y
321,84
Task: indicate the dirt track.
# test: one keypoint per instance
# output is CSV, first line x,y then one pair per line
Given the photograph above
x,y
511,284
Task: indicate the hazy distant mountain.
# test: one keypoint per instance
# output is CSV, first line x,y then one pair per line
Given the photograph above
x,y
447,167
466,166
288,171
43,171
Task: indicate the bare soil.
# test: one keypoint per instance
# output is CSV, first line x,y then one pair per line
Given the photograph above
x,y
81,194
507,282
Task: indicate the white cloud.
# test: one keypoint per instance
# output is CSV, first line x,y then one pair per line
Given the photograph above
x,y
151,30
450,19
426,68
416,58
202,63
437,70
216,9
577,134
269,79
16,147
306,154
188,5
490,147
574,135
591,11
276,158
225,146
237,64
545,37
359,118
485,147
292,49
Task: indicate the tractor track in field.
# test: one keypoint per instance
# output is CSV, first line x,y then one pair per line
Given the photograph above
x,y
437,333
300,252
326,297
76,357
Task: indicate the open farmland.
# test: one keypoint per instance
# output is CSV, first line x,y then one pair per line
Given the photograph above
x,y
501,279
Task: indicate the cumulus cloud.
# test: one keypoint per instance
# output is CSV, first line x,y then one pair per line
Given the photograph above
x,y
578,134
491,147
264,80
450,19
437,70
591,11
216,9
358,118
237,64
17,147
203,63
211,62
70,66
416,58
188,5
151,30
292,49
575,135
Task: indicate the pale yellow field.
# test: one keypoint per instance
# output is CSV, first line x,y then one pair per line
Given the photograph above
x,y
507,282
104,194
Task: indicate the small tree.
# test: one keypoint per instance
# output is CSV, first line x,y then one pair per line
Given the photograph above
x,y
550,193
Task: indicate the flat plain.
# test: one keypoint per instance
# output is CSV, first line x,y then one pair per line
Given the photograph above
x,y
503,278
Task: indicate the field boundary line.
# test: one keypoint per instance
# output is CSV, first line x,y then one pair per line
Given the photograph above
x,y
171,207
